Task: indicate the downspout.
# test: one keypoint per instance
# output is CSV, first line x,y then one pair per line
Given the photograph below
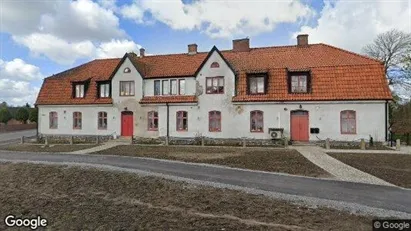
x,y
386,120
168,122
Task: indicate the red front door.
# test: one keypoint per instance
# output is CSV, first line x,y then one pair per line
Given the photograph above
x,y
299,126
127,124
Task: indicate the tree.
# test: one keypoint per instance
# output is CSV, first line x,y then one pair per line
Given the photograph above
x,y
393,48
33,115
5,115
22,114
27,105
3,105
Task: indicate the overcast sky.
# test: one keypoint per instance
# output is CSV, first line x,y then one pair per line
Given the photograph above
x,y
41,38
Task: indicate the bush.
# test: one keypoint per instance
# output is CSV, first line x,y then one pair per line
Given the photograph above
x,y
22,114
33,117
5,115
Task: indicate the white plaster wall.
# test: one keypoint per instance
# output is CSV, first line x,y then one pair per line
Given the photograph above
x,y
370,120
189,88
89,120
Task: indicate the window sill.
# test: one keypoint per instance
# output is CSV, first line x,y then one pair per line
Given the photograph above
x,y
152,129
182,130
342,133
214,130
220,93
77,128
102,128
53,128
126,95
256,131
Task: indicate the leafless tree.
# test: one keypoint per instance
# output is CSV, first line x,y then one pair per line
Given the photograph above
x,y
393,48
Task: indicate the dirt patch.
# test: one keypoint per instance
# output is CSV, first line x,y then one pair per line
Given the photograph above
x,y
89,199
202,156
264,159
42,148
393,168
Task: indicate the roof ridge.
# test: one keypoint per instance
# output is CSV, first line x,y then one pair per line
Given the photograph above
x,y
353,53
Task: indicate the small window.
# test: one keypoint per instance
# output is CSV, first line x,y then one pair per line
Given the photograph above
x,y
348,122
53,120
152,121
299,84
79,90
173,86
104,90
215,85
126,88
157,87
215,65
214,121
102,120
77,120
181,86
166,90
256,84
182,121
127,70
256,121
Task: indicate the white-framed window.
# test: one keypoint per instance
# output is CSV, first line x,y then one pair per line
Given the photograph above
x,y
126,88
182,121
299,84
173,87
166,89
181,86
79,90
102,120
215,85
256,85
104,90
157,87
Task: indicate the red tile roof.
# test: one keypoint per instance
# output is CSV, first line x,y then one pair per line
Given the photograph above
x,y
169,99
57,89
336,74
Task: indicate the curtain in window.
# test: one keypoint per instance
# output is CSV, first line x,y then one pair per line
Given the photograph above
x,y
214,121
348,122
256,121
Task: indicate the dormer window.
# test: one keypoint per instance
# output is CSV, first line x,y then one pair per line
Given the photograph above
x,y
299,82
79,90
257,84
104,90
127,70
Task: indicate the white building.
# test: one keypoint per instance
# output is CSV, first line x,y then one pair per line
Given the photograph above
x,y
310,91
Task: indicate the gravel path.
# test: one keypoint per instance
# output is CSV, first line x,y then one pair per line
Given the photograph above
x,y
96,149
381,201
337,168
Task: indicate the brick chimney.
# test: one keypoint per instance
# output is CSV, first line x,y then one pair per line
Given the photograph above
x,y
302,40
142,52
241,44
192,49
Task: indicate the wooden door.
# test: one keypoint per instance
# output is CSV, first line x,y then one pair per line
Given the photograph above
x,y
299,126
127,124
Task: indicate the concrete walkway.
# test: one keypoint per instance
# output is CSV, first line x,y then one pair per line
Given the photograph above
x,y
96,149
337,168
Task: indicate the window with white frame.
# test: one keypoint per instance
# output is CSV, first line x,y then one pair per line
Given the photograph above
x,y
79,90
102,120
182,121
215,85
299,84
166,89
173,87
104,90
126,88
181,86
157,87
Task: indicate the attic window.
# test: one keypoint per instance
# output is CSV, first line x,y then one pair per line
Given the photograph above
x,y
257,84
127,70
215,65
299,82
79,90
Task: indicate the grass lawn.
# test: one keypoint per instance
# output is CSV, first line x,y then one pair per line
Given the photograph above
x,y
265,159
393,168
89,199
52,148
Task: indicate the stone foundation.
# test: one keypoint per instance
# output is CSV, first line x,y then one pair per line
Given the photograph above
x,y
350,144
65,139
210,141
